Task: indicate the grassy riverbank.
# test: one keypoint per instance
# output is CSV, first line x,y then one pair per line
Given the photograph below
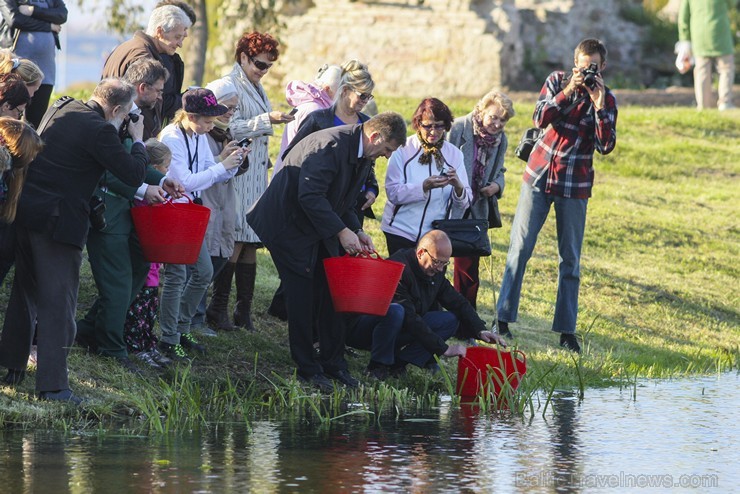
x,y
659,294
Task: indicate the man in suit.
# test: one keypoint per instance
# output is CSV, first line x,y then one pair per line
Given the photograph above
x,y
52,224
304,216
116,259
167,28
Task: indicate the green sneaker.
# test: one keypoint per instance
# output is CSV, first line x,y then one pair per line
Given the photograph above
x,y
188,341
176,353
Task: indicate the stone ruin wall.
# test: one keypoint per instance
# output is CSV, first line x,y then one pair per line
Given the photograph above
x,y
452,47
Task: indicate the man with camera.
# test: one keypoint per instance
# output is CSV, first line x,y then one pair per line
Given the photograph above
x,y
51,227
115,256
579,115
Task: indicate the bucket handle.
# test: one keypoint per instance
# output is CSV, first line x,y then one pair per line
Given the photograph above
x,y
170,201
366,255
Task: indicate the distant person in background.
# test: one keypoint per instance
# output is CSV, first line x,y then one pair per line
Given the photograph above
x,y
481,138
13,96
167,28
307,98
706,25
31,74
31,30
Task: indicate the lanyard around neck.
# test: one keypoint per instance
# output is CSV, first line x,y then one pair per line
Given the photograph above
x,y
192,159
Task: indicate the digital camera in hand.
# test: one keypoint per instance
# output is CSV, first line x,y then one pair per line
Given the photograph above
x,y
589,75
123,131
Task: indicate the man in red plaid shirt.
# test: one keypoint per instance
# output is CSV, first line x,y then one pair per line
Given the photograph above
x,y
579,114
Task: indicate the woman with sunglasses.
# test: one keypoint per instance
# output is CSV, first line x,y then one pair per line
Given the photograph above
x,y
423,178
254,117
480,136
355,90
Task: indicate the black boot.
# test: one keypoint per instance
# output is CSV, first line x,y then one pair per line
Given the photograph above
x,y
217,313
245,277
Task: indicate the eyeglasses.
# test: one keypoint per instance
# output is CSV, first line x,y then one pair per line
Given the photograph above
x,y
435,126
364,96
19,111
230,109
436,262
260,65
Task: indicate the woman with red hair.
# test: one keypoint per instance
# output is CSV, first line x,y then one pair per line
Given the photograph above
x,y
253,118
422,178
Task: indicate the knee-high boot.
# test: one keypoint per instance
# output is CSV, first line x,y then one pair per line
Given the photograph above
x,y
245,277
217,313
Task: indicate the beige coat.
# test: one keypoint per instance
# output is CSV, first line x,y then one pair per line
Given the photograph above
x,y
252,119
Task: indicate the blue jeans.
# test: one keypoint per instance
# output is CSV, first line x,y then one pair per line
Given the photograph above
x,y
441,322
181,295
531,213
377,334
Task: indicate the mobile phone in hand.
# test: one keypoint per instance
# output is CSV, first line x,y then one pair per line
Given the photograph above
x,y
244,142
293,111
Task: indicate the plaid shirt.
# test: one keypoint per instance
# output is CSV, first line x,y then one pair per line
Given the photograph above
x,y
565,152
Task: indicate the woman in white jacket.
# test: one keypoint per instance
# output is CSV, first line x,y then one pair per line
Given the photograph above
x,y
424,178
194,167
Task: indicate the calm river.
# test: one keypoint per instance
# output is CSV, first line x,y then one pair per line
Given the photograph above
x,y
677,436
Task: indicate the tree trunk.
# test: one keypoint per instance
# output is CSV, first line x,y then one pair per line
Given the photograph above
x,y
195,59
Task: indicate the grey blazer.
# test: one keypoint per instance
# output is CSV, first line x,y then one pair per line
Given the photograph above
x,y
461,135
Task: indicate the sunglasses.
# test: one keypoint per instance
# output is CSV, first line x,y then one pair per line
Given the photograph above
x,y
364,96
436,262
260,65
429,127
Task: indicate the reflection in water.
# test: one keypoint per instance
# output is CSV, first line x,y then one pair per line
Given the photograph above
x,y
676,434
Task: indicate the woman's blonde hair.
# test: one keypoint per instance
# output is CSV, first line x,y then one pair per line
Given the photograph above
x,y
19,145
158,151
29,71
498,98
355,77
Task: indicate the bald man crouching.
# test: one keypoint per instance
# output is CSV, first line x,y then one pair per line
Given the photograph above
x,y
413,331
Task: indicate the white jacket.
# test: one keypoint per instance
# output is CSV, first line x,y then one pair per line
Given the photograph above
x,y
204,171
409,211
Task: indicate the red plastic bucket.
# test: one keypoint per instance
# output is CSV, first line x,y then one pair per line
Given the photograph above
x,y
171,232
484,365
364,284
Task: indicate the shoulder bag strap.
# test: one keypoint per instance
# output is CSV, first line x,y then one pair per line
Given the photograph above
x,y
55,107
405,179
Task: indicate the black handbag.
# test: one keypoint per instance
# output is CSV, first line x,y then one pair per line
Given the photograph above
x,y
494,215
534,134
527,142
469,237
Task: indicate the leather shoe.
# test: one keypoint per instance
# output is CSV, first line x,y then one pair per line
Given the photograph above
x,y
503,330
318,381
14,377
60,395
128,364
570,342
377,371
345,378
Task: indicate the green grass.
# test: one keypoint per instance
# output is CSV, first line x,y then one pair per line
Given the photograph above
x,y
659,298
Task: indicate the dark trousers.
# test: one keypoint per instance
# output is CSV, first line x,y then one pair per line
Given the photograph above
x,y
119,270
441,322
377,334
308,298
47,277
396,242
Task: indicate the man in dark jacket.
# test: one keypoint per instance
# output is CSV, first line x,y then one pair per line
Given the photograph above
x,y
413,331
304,216
52,224
168,27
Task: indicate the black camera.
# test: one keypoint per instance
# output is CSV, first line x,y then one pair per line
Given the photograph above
x,y
589,75
97,213
123,131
